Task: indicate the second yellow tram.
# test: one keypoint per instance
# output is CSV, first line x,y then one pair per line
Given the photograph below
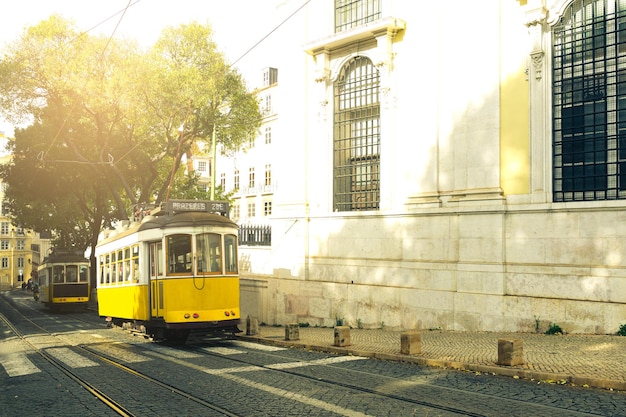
x,y
173,272
63,279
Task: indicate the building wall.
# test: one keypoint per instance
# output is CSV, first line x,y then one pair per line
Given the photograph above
x,y
467,237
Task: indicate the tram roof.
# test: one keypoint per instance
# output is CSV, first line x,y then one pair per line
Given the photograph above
x,y
185,219
64,258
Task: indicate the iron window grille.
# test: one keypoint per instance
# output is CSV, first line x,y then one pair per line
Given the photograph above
x,y
357,137
589,102
353,13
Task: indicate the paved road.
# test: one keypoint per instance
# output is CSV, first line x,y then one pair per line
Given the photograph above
x,y
584,360
252,379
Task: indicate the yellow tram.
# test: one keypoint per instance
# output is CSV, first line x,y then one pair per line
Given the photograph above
x,y
64,279
172,272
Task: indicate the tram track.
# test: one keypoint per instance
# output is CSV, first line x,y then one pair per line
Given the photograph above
x,y
284,374
116,406
444,392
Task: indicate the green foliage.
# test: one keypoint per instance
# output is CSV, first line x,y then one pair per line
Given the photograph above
x,y
111,126
622,330
554,329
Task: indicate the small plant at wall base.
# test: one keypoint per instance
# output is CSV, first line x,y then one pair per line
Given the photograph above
x,y
554,329
622,330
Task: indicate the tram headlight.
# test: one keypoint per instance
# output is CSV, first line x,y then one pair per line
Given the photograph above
x,y
187,315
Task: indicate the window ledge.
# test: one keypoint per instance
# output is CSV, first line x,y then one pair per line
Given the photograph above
x,y
388,26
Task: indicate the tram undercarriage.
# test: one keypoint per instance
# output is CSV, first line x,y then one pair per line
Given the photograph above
x,y
183,332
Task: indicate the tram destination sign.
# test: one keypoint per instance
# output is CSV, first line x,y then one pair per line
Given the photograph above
x,y
177,206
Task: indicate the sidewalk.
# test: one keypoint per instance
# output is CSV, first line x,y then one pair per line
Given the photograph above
x,y
583,360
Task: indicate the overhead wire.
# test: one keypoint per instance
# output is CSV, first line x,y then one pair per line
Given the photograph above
x,y
42,155
272,31
123,12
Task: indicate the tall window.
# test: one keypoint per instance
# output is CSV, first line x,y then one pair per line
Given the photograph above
x,y
268,135
352,13
589,101
268,174
251,178
236,180
251,209
357,137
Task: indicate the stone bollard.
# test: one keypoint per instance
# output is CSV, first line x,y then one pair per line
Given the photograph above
x,y
510,352
410,342
252,326
342,336
292,331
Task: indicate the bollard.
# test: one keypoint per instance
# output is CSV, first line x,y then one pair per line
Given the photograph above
x,y
292,331
342,336
410,342
510,352
252,326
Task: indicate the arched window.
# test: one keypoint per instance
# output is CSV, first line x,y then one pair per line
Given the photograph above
x,y
357,137
589,101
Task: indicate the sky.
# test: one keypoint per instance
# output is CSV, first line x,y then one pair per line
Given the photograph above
x,y
237,24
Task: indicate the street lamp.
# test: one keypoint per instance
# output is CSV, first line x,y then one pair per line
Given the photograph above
x,y
224,110
213,169
11,266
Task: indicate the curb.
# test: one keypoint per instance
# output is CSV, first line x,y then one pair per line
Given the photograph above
x,y
546,377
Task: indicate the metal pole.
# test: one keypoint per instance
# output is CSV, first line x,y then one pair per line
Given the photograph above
x,y
11,268
213,155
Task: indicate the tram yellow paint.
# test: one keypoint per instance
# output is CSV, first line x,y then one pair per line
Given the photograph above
x,y
127,302
173,272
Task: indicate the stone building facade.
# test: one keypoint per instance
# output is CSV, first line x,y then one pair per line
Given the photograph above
x,y
452,165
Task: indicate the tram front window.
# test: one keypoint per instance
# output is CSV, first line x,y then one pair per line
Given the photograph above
x,y
72,273
58,274
83,274
230,253
179,253
209,253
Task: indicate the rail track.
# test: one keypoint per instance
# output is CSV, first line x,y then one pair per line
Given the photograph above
x,y
271,372
98,388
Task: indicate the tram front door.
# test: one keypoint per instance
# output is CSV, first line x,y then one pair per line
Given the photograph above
x,y
156,285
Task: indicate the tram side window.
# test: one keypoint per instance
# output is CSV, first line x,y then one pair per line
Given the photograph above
x,y
209,253
127,264
135,258
71,272
179,253
102,267
58,274
156,259
107,268
83,274
120,266
44,275
230,253
113,268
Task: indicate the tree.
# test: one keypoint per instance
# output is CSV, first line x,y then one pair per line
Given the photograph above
x,y
110,125
195,93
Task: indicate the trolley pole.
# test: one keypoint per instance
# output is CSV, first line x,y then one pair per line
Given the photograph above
x,y
213,155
